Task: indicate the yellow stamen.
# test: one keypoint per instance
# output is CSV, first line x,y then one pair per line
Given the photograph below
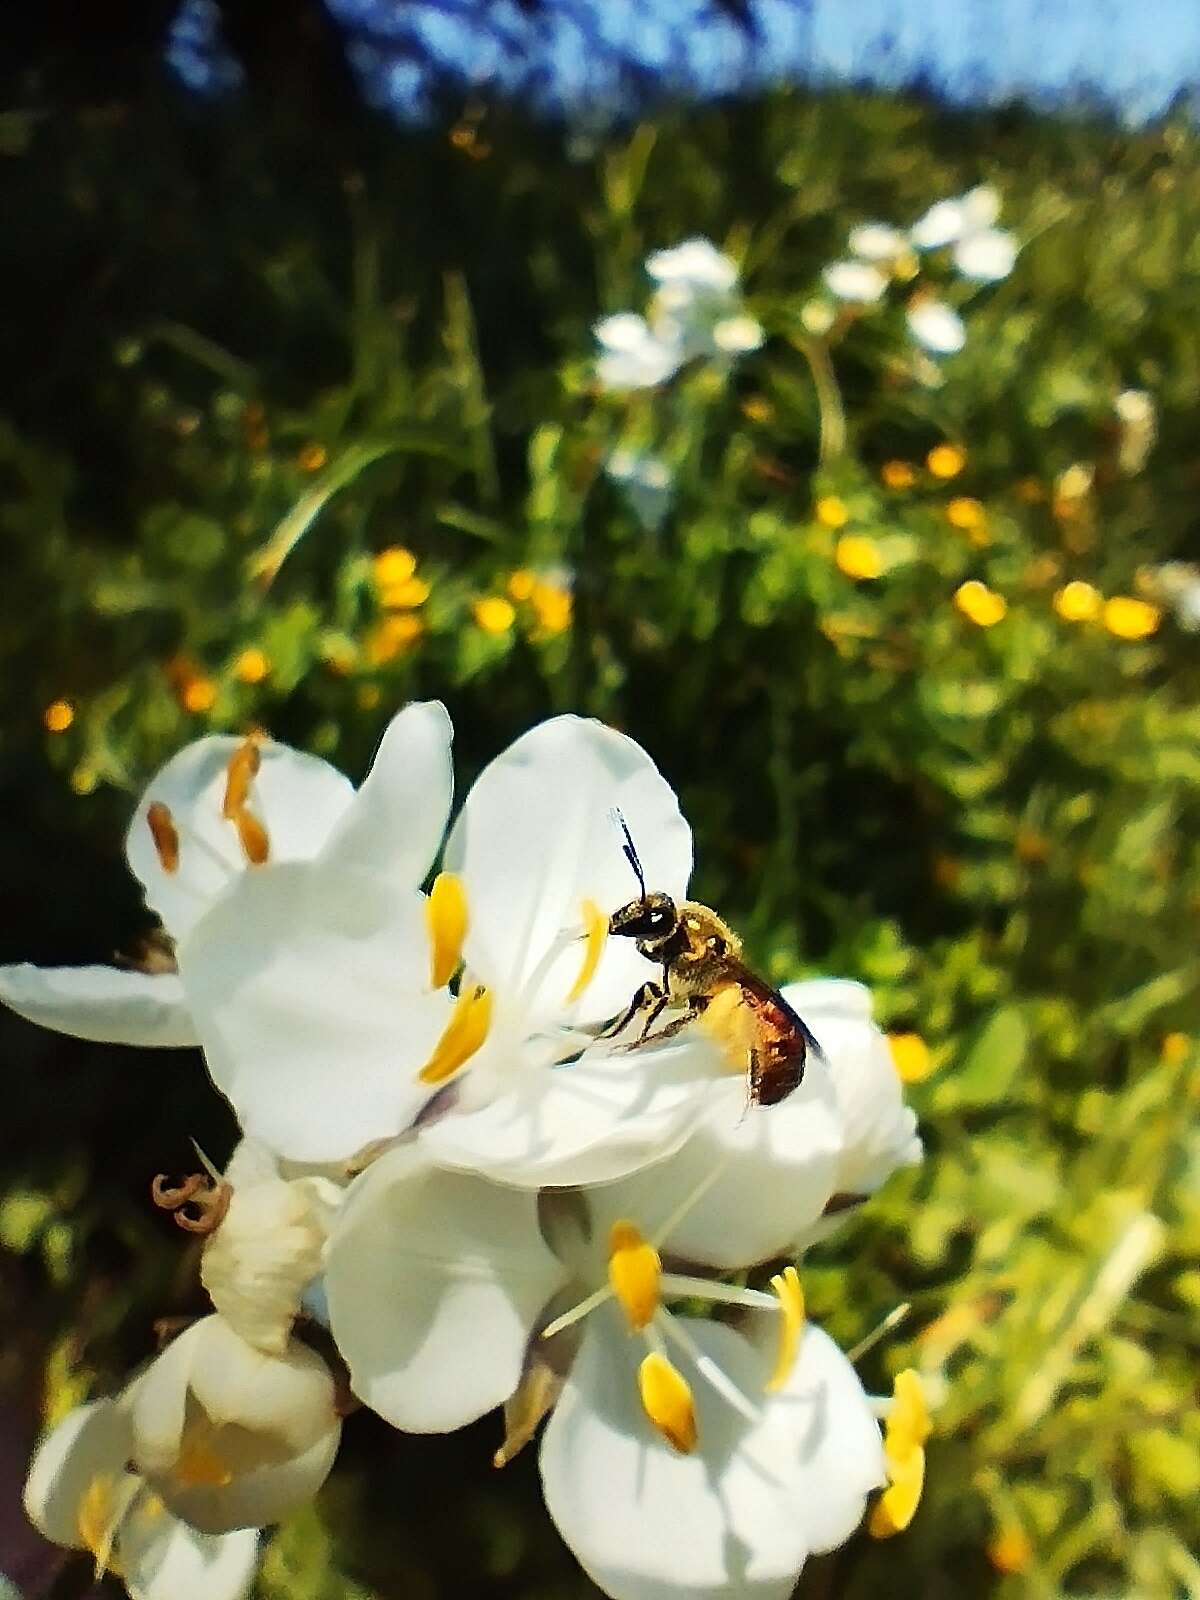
x,y
667,1401
165,835
465,1032
98,1519
239,775
595,929
256,845
786,1285
200,1467
634,1271
897,1505
908,1424
446,918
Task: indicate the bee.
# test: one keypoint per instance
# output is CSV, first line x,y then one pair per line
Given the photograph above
x,y
704,977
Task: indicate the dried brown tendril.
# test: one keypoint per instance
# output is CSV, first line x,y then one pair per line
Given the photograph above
x,y
199,1203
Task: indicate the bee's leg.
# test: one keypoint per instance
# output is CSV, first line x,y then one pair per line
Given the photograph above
x,y
650,994
695,1005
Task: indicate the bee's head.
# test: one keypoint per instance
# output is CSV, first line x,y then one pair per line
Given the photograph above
x,y
651,919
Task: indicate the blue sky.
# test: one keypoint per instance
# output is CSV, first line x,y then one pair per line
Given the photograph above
x,y
1138,54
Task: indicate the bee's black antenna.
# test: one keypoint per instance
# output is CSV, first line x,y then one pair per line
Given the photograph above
x,y
629,849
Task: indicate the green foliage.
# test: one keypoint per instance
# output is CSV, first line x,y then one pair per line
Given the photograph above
x,y
263,373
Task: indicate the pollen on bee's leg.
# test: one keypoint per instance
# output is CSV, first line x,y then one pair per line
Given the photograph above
x,y
786,1285
252,836
164,834
446,919
595,933
634,1274
667,1401
464,1034
240,774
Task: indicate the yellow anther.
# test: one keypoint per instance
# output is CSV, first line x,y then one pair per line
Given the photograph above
x,y
897,1505
465,1032
98,1519
446,919
165,835
910,1057
786,1285
595,932
634,1270
240,774
667,1401
200,1466
908,1425
256,845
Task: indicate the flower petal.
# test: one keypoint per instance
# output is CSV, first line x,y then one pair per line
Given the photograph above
x,y
394,825
936,326
778,1168
986,256
697,264
112,1004
739,1514
856,281
435,1281
297,796
162,1558
879,1130
942,224
92,1442
309,990
588,1121
536,839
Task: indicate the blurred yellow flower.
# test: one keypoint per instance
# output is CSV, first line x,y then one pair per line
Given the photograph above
x,y
858,557
979,604
58,716
521,583
1078,601
252,665
392,636
831,512
394,565
898,474
199,695
1127,618
910,1057
405,594
84,778
946,460
494,614
368,696
758,408
965,512
312,458
1010,1550
339,654
553,604
1176,1048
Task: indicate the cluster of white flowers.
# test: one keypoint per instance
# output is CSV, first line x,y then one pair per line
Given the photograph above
x,y
695,313
880,254
494,1203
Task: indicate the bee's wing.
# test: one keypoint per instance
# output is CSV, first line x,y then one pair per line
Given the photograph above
x,y
768,999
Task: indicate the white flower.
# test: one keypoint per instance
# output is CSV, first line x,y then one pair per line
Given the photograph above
x,y
981,251
80,1494
266,1250
695,266
646,483
877,241
229,1436
1137,415
633,355
737,335
935,325
855,281
681,1456
539,863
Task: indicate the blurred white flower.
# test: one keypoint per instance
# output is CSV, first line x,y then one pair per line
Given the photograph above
x,y
679,1454
633,355
1176,584
877,241
645,482
300,935
1137,416
935,325
81,1494
540,869
229,1436
981,251
695,267
859,282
